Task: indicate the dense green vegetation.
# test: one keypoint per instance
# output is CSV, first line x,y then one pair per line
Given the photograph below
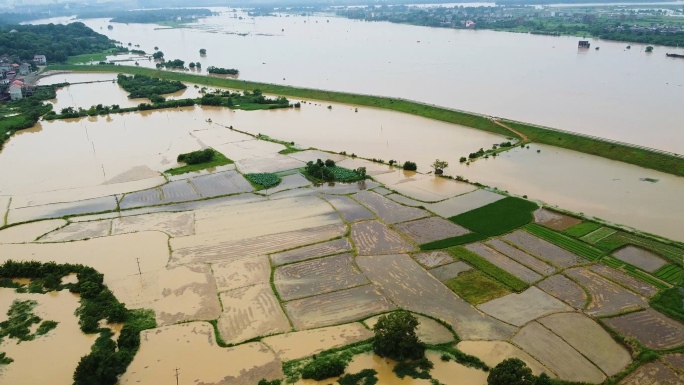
x,y
247,100
499,217
513,371
213,159
583,228
327,171
489,268
476,287
107,359
671,273
454,241
173,64
24,112
55,41
670,302
141,86
147,16
419,368
20,320
264,179
292,369
324,367
621,238
364,377
70,112
410,166
222,71
634,272
396,338
570,244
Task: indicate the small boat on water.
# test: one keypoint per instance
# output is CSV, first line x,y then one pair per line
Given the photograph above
x,y
674,55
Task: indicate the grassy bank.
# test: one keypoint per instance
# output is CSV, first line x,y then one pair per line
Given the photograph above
x,y
640,157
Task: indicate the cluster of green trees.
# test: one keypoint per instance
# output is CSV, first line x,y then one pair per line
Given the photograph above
x,y
147,16
28,111
197,157
158,55
70,112
193,65
222,71
107,359
410,166
56,41
141,86
175,63
229,99
513,371
329,172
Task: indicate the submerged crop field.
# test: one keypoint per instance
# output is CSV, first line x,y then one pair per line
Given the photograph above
x,y
237,258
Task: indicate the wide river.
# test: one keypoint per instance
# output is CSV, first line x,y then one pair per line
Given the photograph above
x,y
617,93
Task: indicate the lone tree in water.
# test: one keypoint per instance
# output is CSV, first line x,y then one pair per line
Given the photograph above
x,y
203,51
395,337
439,166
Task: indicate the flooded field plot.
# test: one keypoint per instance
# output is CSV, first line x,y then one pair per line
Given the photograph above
x,y
637,286
193,348
337,307
649,327
372,168
412,288
387,210
545,250
179,191
349,209
29,232
253,150
314,251
272,163
430,259
564,289
58,210
676,360
404,200
653,373
464,203
149,197
305,343
450,271
430,229
241,272
429,331
173,224
382,191
318,276
640,258
589,338
493,352
250,312
289,182
504,262
207,204
556,354
373,237
521,256
425,188
35,361
313,155
222,183
519,309
554,220
345,188
78,231
606,296
215,135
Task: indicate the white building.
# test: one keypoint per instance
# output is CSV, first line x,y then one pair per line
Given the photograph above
x,y
40,60
15,92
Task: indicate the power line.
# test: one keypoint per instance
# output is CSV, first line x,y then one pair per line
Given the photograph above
x,y
177,374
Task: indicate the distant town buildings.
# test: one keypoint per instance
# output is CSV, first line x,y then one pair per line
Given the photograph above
x,y
40,60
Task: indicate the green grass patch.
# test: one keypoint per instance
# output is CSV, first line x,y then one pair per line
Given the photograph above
x,y
453,241
90,57
597,235
621,238
499,217
264,179
570,244
476,287
582,229
489,268
670,302
217,160
289,150
671,273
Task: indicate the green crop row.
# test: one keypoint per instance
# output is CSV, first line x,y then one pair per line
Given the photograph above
x,y
597,235
578,247
489,268
621,238
633,271
671,273
266,179
582,229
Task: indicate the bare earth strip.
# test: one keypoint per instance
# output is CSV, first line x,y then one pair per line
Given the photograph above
x,y
519,309
554,220
452,270
173,224
493,352
650,327
349,209
545,250
58,210
556,354
317,276
653,373
250,312
430,229
634,284
589,338
464,203
564,289
78,231
30,231
387,210
640,258
373,237
224,183
504,262
606,296
241,272
337,307
412,288
305,343
429,331
202,361
255,246
521,256
430,259
314,251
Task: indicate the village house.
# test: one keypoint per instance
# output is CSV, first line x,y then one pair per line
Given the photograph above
x,y
24,69
469,24
40,60
15,90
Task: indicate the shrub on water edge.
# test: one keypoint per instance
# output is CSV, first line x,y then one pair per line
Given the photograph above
x,y
197,157
396,338
364,377
324,367
414,369
410,166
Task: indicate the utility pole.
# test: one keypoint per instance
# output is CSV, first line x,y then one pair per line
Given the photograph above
x,y
138,260
177,374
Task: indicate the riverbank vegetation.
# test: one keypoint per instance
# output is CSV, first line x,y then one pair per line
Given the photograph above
x,y
199,160
141,86
222,71
254,100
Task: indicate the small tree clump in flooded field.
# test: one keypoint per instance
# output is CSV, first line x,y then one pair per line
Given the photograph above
x,y
396,338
